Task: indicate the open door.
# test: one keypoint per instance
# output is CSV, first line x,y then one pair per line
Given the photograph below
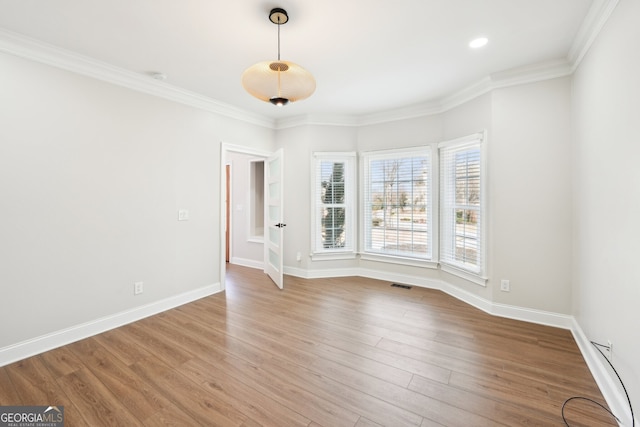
x,y
273,221
227,224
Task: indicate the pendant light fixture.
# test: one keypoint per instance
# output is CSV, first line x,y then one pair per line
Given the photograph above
x,y
278,82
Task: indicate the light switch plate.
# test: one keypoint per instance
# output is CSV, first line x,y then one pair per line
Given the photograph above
x,y
183,215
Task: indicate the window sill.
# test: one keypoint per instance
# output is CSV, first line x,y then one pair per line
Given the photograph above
x,y
332,256
414,262
471,277
255,239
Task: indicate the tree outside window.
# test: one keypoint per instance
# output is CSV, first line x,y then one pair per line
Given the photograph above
x,y
397,203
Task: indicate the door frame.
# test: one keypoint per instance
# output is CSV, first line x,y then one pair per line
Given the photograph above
x,y
224,149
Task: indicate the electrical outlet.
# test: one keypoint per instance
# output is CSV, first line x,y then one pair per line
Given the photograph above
x,y
183,215
505,286
138,288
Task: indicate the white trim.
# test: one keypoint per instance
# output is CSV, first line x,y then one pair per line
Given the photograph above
x,y
401,260
428,108
393,152
243,149
29,48
465,141
468,297
597,16
388,276
541,317
321,273
607,384
365,159
466,275
350,159
227,222
245,262
35,50
331,155
332,256
479,140
316,120
31,347
225,148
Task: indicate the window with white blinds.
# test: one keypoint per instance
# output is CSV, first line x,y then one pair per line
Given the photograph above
x,y
461,204
334,206
397,203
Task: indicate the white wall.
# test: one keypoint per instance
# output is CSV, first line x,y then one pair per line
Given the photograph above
x,y
529,191
530,195
91,178
299,143
402,133
606,106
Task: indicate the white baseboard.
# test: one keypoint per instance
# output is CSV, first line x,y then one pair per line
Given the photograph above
x,y
56,339
512,312
321,273
251,263
611,390
600,371
605,378
530,315
400,278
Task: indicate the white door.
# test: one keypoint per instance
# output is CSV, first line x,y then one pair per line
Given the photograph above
x,y
273,247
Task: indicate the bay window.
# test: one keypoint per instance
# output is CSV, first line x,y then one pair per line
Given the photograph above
x,y
462,206
333,207
397,203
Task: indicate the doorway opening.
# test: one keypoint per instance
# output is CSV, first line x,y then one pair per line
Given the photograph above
x,y
242,194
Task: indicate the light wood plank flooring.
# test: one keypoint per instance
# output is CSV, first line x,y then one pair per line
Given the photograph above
x,y
330,352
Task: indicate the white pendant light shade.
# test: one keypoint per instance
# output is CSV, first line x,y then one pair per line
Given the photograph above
x,y
278,82
275,81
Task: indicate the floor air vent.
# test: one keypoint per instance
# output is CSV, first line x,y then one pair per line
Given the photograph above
x,y
395,285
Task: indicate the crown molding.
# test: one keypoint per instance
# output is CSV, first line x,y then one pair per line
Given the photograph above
x,y
409,112
404,113
316,120
594,21
517,76
35,50
597,16
38,51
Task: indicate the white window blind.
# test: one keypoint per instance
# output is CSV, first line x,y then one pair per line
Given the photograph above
x,y
397,203
461,204
333,203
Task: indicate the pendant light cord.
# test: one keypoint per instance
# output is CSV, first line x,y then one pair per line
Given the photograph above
x,y
279,66
279,38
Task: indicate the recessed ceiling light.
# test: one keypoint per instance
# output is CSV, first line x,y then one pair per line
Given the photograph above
x,y
479,42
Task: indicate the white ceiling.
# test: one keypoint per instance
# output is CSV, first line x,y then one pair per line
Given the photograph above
x,y
367,56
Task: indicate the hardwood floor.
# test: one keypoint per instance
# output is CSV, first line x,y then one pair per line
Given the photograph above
x,y
330,352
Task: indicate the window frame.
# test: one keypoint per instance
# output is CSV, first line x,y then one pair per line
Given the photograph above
x,y
318,251
429,261
475,275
